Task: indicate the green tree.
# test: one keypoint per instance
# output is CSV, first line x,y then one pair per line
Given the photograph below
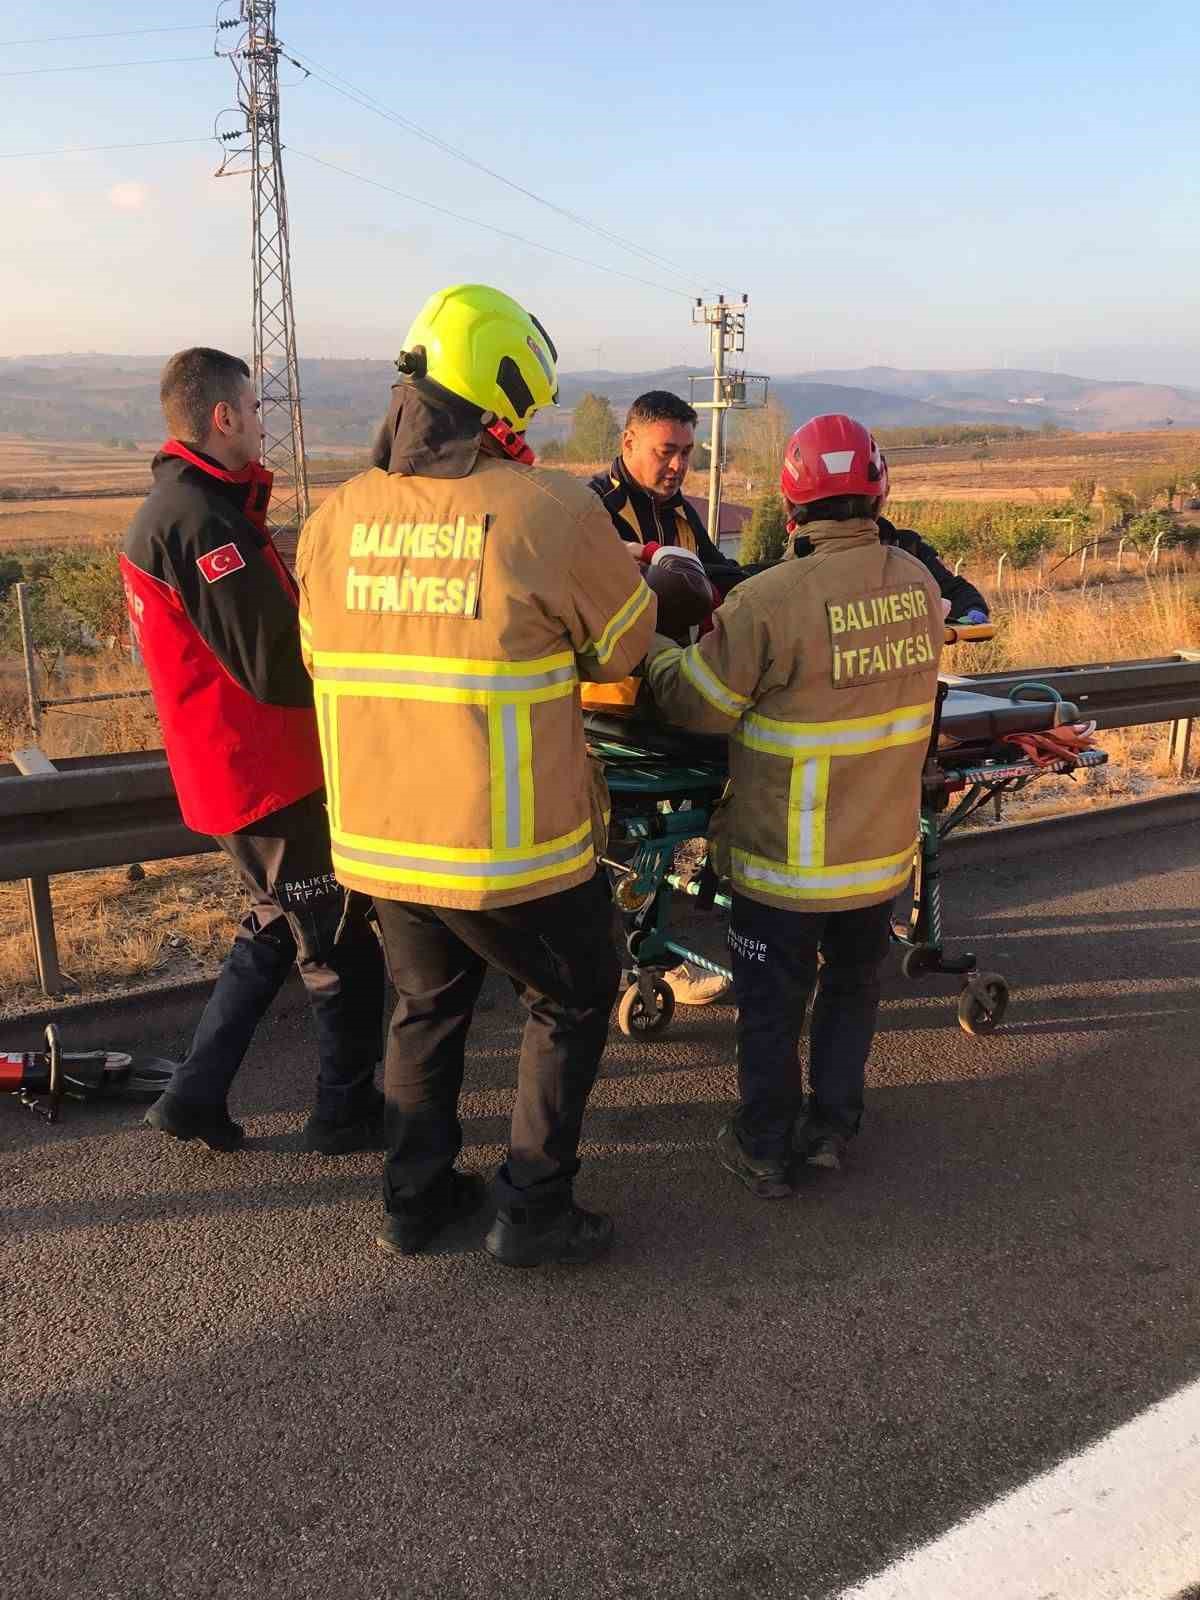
x,y
1117,506
55,631
552,450
1083,492
88,583
1143,529
765,538
594,432
11,571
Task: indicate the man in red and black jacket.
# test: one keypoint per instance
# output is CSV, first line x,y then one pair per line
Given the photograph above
x,y
214,612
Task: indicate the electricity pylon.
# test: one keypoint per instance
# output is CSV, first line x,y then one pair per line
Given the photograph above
x,y
255,149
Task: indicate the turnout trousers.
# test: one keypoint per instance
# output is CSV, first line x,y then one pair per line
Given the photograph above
x,y
299,914
777,956
558,952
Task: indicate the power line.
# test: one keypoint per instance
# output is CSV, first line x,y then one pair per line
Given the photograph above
x,y
341,86
87,149
474,222
125,33
95,66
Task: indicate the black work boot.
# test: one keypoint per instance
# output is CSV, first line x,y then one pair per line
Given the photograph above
x,y
767,1180
212,1125
407,1233
817,1144
363,1130
528,1238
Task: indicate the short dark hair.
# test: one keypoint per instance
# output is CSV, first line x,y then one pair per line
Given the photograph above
x,y
659,405
837,508
193,382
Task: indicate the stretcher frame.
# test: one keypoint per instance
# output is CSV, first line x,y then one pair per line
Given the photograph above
x,y
662,800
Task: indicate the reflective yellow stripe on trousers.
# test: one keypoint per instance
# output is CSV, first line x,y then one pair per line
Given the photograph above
x,y
507,691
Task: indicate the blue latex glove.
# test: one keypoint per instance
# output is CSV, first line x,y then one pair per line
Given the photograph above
x,y
976,616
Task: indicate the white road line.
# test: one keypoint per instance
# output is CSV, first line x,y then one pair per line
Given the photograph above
x,y
1119,1522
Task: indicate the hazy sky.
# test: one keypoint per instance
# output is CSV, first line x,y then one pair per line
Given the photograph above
x,y
911,183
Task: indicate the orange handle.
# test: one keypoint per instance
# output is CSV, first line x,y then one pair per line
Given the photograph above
x,y
969,632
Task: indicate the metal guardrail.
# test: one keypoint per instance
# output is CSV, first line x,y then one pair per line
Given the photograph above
x,y
79,813
1113,694
110,811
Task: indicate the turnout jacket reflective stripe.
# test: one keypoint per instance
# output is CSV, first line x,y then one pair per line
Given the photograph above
x,y
823,669
447,623
214,613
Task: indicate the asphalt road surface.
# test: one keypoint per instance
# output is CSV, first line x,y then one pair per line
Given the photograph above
x,y
216,1384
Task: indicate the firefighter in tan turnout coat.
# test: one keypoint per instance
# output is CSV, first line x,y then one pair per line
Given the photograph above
x,y
452,598
823,669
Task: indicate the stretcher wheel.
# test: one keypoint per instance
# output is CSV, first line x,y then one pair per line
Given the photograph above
x,y
636,1020
983,1002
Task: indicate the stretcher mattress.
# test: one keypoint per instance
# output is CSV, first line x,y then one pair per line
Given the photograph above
x,y
968,720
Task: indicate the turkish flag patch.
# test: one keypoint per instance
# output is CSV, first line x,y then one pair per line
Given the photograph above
x,y
220,563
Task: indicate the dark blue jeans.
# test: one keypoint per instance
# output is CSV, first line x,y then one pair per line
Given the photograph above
x,y
777,956
300,914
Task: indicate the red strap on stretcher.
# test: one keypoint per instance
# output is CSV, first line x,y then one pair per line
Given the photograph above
x,y
1066,743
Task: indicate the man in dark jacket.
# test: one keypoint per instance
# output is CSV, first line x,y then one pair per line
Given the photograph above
x,y
215,615
966,602
642,489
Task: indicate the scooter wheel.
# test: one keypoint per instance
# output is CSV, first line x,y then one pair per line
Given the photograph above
x,y
982,1004
634,1017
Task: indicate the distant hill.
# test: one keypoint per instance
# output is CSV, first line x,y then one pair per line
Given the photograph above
x,y
94,396
1088,404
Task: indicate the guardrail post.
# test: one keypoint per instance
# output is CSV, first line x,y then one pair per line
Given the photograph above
x,y
54,982
1179,748
45,943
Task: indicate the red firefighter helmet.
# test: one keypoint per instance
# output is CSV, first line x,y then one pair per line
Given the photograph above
x,y
832,455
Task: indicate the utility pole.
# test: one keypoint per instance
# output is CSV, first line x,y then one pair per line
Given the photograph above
x,y
727,336
255,149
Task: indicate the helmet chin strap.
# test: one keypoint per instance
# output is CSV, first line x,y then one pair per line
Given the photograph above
x,y
512,443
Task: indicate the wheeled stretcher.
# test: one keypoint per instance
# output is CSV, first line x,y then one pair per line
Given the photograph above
x,y
664,783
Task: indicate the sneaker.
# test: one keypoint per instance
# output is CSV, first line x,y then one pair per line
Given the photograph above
x,y
363,1131
818,1145
768,1180
180,1119
407,1235
693,986
570,1237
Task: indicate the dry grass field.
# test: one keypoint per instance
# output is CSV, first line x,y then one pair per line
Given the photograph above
x,y
1028,471
1037,469
32,465
1025,471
